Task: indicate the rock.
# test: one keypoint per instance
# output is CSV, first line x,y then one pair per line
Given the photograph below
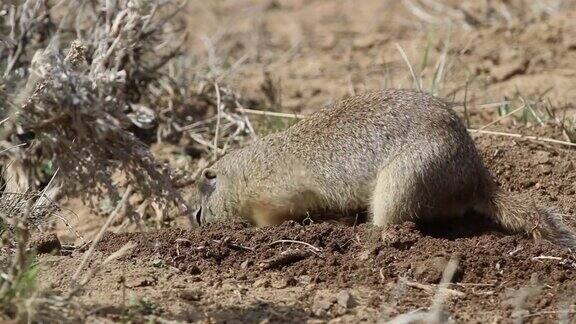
x,y
304,279
279,283
190,295
344,299
365,255
245,264
45,243
322,303
527,183
158,263
140,282
431,270
401,236
545,169
194,270
320,307
541,157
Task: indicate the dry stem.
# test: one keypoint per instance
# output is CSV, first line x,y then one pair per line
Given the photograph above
x,y
96,240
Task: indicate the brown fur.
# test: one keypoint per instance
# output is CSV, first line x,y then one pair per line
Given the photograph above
x,y
401,154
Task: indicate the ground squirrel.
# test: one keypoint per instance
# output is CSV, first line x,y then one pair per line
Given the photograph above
x,y
399,154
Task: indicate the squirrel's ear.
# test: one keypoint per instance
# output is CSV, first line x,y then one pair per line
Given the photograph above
x,y
207,182
209,174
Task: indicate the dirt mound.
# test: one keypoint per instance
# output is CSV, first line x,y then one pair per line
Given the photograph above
x,y
338,257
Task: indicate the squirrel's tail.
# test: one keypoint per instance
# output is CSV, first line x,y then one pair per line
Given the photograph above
x,y
520,214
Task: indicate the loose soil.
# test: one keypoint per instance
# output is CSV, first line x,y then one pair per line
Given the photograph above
x,y
318,51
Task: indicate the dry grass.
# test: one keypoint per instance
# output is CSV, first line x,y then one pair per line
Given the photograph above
x,y
70,107
19,297
433,12
85,87
89,85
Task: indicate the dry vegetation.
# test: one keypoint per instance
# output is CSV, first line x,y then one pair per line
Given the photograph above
x,y
92,91
86,86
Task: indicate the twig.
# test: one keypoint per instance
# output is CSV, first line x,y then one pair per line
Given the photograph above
x,y
312,247
203,142
430,288
546,257
301,116
100,234
466,284
502,117
219,116
480,130
466,114
285,258
12,147
421,14
533,138
39,201
493,104
234,245
118,254
548,313
270,113
417,316
516,250
434,315
481,106
178,240
440,296
405,57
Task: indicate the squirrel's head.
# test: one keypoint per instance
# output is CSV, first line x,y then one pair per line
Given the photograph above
x,y
215,198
